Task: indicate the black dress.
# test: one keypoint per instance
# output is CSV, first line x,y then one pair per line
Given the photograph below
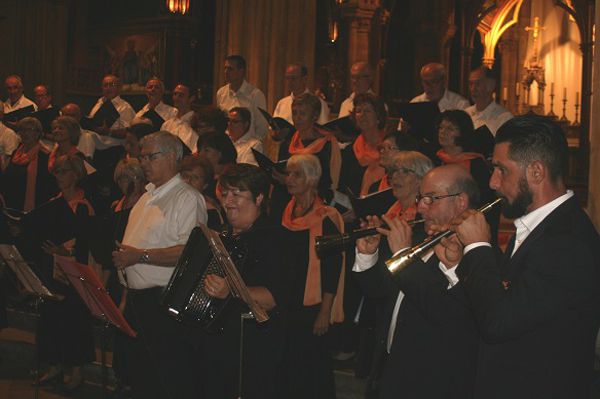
x,y
13,183
308,368
263,265
64,333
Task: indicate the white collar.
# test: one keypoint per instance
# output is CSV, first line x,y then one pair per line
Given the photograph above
x,y
157,192
531,220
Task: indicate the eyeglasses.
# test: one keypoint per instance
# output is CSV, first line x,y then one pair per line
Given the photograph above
x,y
150,157
385,148
429,199
236,192
110,84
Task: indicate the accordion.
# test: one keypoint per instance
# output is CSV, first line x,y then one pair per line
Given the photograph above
x,y
206,253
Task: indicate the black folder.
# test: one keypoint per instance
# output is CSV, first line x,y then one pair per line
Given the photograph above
x,y
344,125
46,117
106,116
155,118
266,164
18,114
277,123
377,203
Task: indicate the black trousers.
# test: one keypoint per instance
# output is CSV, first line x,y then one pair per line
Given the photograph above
x,y
163,359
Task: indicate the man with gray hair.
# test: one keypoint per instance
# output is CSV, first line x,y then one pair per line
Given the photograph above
x,y
16,100
157,230
433,79
485,111
155,90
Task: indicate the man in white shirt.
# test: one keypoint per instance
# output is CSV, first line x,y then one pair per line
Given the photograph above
x,y
239,93
426,334
9,141
16,100
238,127
87,139
485,111
296,76
42,97
111,136
361,79
157,230
433,79
546,287
180,125
155,90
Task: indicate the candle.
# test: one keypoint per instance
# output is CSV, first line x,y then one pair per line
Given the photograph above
x,y
577,98
564,93
517,89
552,88
504,93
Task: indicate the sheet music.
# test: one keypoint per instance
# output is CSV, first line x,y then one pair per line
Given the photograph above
x,y
30,281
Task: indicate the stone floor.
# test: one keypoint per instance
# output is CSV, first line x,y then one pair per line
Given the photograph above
x,y
17,363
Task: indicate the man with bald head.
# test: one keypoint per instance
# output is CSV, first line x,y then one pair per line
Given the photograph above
x,y
361,79
113,135
155,90
433,79
427,339
16,100
87,139
296,77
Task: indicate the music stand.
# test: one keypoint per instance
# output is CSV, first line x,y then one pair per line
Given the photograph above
x,y
94,295
33,286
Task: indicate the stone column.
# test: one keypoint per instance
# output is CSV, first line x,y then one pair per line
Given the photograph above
x,y
593,203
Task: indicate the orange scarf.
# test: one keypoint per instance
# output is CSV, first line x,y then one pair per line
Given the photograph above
x,y
29,158
335,159
396,211
79,198
384,183
463,159
313,221
54,154
368,156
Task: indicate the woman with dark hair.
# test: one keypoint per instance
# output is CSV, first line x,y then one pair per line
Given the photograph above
x,y
458,140
308,139
220,152
257,250
391,145
26,183
360,160
64,336
198,173
133,135
316,292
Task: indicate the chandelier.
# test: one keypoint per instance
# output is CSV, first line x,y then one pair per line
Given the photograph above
x,y
178,6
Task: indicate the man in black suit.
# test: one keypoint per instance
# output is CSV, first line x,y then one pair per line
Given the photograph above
x,y
538,308
427,338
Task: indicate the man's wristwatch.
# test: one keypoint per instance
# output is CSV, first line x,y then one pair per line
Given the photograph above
x,y
145,258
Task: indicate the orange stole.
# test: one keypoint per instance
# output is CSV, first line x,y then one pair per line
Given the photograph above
x,y
463,159
369,157
79,198
335,158
384,183
396,211
29,158
313,221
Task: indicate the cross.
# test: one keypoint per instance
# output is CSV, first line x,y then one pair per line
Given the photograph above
x,y
536,28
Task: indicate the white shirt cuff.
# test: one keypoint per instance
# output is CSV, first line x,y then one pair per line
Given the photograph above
x,y
476,245
364,262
